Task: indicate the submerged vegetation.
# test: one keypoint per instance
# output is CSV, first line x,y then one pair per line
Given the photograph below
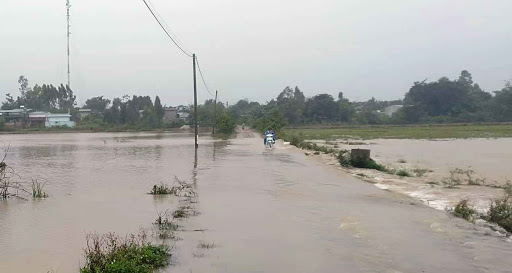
x,y
463,210
345,159
206,245
8,186
180,188
421,172
160,189
500,213
403,173
37,189
110,253
459,177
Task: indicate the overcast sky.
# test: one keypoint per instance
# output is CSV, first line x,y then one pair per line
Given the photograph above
x,y
253,49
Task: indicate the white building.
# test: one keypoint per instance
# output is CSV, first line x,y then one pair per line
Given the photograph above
x,y
390,110
59,120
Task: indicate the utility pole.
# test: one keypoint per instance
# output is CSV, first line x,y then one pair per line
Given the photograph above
x,y
215,113
68,6
195,100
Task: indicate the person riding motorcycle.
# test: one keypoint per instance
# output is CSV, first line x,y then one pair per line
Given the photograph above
x,y
269,131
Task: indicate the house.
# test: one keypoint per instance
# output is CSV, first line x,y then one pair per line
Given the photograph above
x,y
170,114
82,113
390,110
59,120
15,118
184,116
37,119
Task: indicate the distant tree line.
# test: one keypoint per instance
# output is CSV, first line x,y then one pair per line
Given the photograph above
x,y
44,97
441,101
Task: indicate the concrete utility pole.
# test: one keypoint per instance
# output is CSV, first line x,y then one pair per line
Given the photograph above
x,y
195,100
215,113
68,6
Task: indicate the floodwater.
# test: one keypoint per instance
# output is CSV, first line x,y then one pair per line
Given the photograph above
x,y
488,158
265,210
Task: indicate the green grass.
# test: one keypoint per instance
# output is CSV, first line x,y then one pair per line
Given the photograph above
x,y
404,132
112,254
37,189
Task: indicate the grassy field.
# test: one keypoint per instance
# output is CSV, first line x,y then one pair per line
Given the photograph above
x,y
404,132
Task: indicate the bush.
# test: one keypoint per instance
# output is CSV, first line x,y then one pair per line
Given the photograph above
x,y
403,173
225,124
162,189
344,158
296,139
463,210
112,254
500,213
421,172
366,163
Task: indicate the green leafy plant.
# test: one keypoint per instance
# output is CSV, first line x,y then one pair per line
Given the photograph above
x,y
464,210
500,213
110,253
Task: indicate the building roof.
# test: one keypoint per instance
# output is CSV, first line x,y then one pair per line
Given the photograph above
x,y
58,115
15,111
84,110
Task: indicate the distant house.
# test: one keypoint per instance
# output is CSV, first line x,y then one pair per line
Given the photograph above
x,y
82,113
170,114
59,120
15,118
184,116
37,119
390,110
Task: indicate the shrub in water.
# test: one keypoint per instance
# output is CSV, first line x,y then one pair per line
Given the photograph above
x,y
500,213
112,254
403,173
463,210
366,163
162,189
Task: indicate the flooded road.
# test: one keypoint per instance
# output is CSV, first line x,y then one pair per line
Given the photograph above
x,y
262,210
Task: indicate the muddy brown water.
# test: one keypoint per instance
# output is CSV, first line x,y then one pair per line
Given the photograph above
x,y
265,210
488,158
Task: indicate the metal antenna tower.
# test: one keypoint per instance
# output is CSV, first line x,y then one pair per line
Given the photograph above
x,y
68,6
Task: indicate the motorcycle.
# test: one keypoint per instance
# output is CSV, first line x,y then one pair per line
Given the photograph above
x,y
269,143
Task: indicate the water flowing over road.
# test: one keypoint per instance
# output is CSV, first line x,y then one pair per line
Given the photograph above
x,y
265,210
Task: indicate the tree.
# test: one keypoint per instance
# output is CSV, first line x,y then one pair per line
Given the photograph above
x,y
24,88
225,123
321,108
97,105
502,103
443,97
9,102
291,103
159,110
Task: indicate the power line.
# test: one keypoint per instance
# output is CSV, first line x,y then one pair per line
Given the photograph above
x,y
165,25
165,30
204,82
